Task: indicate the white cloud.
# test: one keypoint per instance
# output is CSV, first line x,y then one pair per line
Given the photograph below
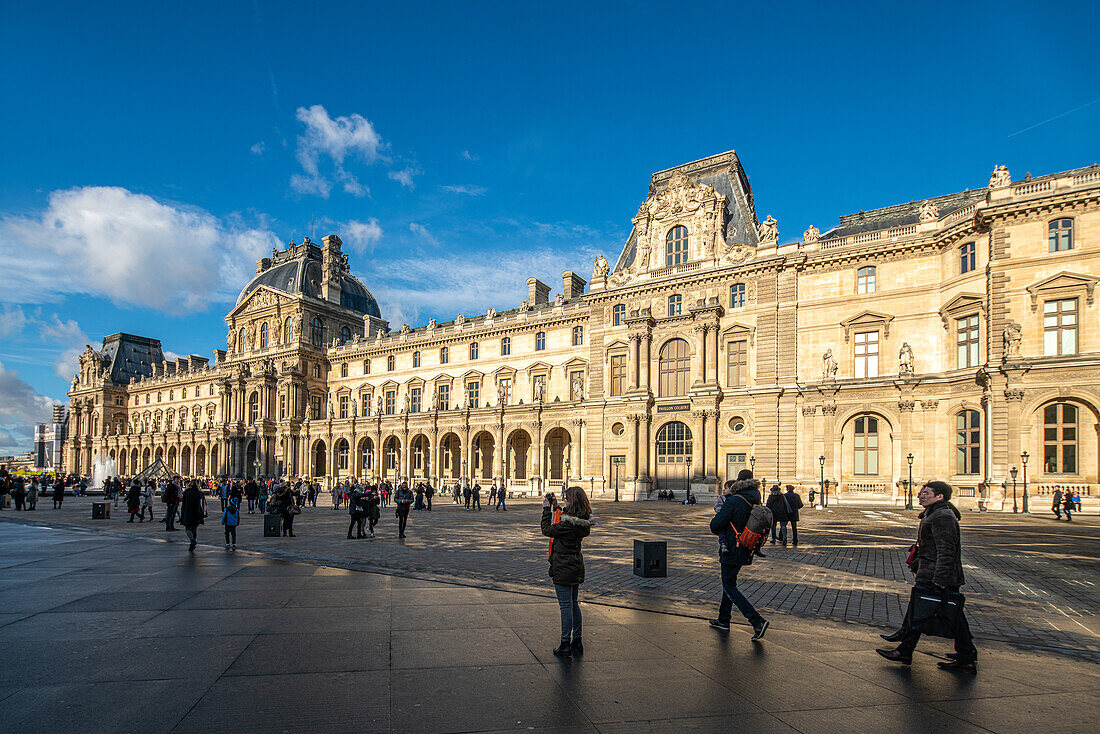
x,y
335,139
128,247
12,321
258,148
422,231
467,156
69,338
21,406
466,189
405,177
361,236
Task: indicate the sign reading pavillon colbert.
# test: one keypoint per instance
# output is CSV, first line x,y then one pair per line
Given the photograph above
x,y
776,343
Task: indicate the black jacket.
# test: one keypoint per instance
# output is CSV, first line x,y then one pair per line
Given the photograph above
x,y
794,501
736,509
778,505
566,561
191,508
939,549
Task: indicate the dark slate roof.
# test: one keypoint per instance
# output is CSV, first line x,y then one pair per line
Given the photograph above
x,y
303,275
900,215
130,356
725,174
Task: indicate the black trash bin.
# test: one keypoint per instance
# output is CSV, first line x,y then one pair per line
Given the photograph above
x,y
101,511
650,558
273,525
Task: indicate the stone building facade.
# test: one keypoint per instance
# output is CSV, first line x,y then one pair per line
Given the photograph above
x,y
955,337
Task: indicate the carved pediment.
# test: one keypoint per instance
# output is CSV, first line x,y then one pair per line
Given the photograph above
x,y
697,207
867,319
538,368
504,371
576,363
737,330
473,375
1064,283
959,305
259,299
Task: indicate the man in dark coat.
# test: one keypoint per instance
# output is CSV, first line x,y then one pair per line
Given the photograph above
x,y
171,497
1056,504
404,500
777,503
794,504
58,493
191,512
133,501
740,496
938,569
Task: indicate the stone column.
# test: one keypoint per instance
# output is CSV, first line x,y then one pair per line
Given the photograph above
x,y
901,464
537,449
698,364
698,443
712,439
578,424
501,449
432,450
648,372
635,366
714,355
632,452
647,446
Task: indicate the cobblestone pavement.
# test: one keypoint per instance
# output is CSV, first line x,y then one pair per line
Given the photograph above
x,y
1030,580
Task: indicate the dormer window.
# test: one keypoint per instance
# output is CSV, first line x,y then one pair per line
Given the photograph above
x,y
676,245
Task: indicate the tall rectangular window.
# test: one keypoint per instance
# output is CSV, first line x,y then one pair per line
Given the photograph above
x,y
366,366
968,442
506,346
391,362
415,399
315,407
736,362
475,350
1060,439
1060,327
865,279
966,331
968,257
675,305
474,391
343,406
364,404
866,354
737,295
391,402
444,397
618,314
1060,235
540,341
416,359
676,246
444,355
866,446
578,336
618,374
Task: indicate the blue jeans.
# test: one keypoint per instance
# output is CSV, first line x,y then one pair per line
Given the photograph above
x,y
732,595
570,611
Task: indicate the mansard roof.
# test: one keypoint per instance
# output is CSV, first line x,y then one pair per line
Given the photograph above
x,y
130,356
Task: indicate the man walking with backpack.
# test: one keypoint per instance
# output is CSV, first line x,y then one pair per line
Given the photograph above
x,y
741,525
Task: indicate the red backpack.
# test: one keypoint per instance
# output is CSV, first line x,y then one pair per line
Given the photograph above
x,y
757,527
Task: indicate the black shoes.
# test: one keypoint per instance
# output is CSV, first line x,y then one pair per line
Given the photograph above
x,y
959,666
895,657
191,547
723,626
894,637
759,629
562,650
576,648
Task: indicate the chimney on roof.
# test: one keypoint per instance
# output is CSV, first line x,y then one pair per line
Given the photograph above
x,y
573,285
537,292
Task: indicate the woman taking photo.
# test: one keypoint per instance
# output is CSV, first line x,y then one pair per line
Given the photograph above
x,y
566,527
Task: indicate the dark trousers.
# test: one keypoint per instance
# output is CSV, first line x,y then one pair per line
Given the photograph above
x,y
371,521
251,506
288,523
357,523
732,595
230,532
570,611
429,498
964,641
794,531
477,501
170,517
402,518
500,502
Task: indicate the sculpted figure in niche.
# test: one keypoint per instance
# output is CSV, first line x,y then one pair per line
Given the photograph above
x,y
538,390
408,404
435,400
502,393
641,260
769,231
1013,333
578,387
353,410
905,359
828,365
378,410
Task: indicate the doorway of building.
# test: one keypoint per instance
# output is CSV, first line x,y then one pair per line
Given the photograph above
x,y
673,457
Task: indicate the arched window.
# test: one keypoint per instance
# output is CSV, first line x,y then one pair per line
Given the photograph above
x,y
253,408
618,314
240,340
866,445
737,295
1060,439
540,341
676,245
344,370
444,355
288,329
391,363
506,346
474,350
342,455
416,359
345,335
865,279
968,442
263,335
317,332
578,336
1060,235
675,304
675,364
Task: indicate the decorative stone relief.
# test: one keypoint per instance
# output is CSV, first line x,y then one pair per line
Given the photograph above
x,y
829,365
1011,337
733,254
929,212
1014,395
905,359
906,406
1000,177
929,404
811,235
768,232
600,268
698,207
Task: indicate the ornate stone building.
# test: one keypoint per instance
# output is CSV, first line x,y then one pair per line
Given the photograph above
x,y
956,337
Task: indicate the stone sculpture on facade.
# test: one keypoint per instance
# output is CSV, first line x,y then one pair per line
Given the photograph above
x,y
408,404
1012,335
768,232
601,267
905,359
577,387
811,235
538,390
1000,177
502,393
929,212
829,366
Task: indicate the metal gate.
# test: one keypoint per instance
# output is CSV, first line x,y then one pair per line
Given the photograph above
x,y
673,457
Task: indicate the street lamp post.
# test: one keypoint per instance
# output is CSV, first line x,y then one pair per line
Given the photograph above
x,y
909,485
256,468
752,465
821,489
1023,458
1013,471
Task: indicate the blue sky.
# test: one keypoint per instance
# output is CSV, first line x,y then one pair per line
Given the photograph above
x,y
151,151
